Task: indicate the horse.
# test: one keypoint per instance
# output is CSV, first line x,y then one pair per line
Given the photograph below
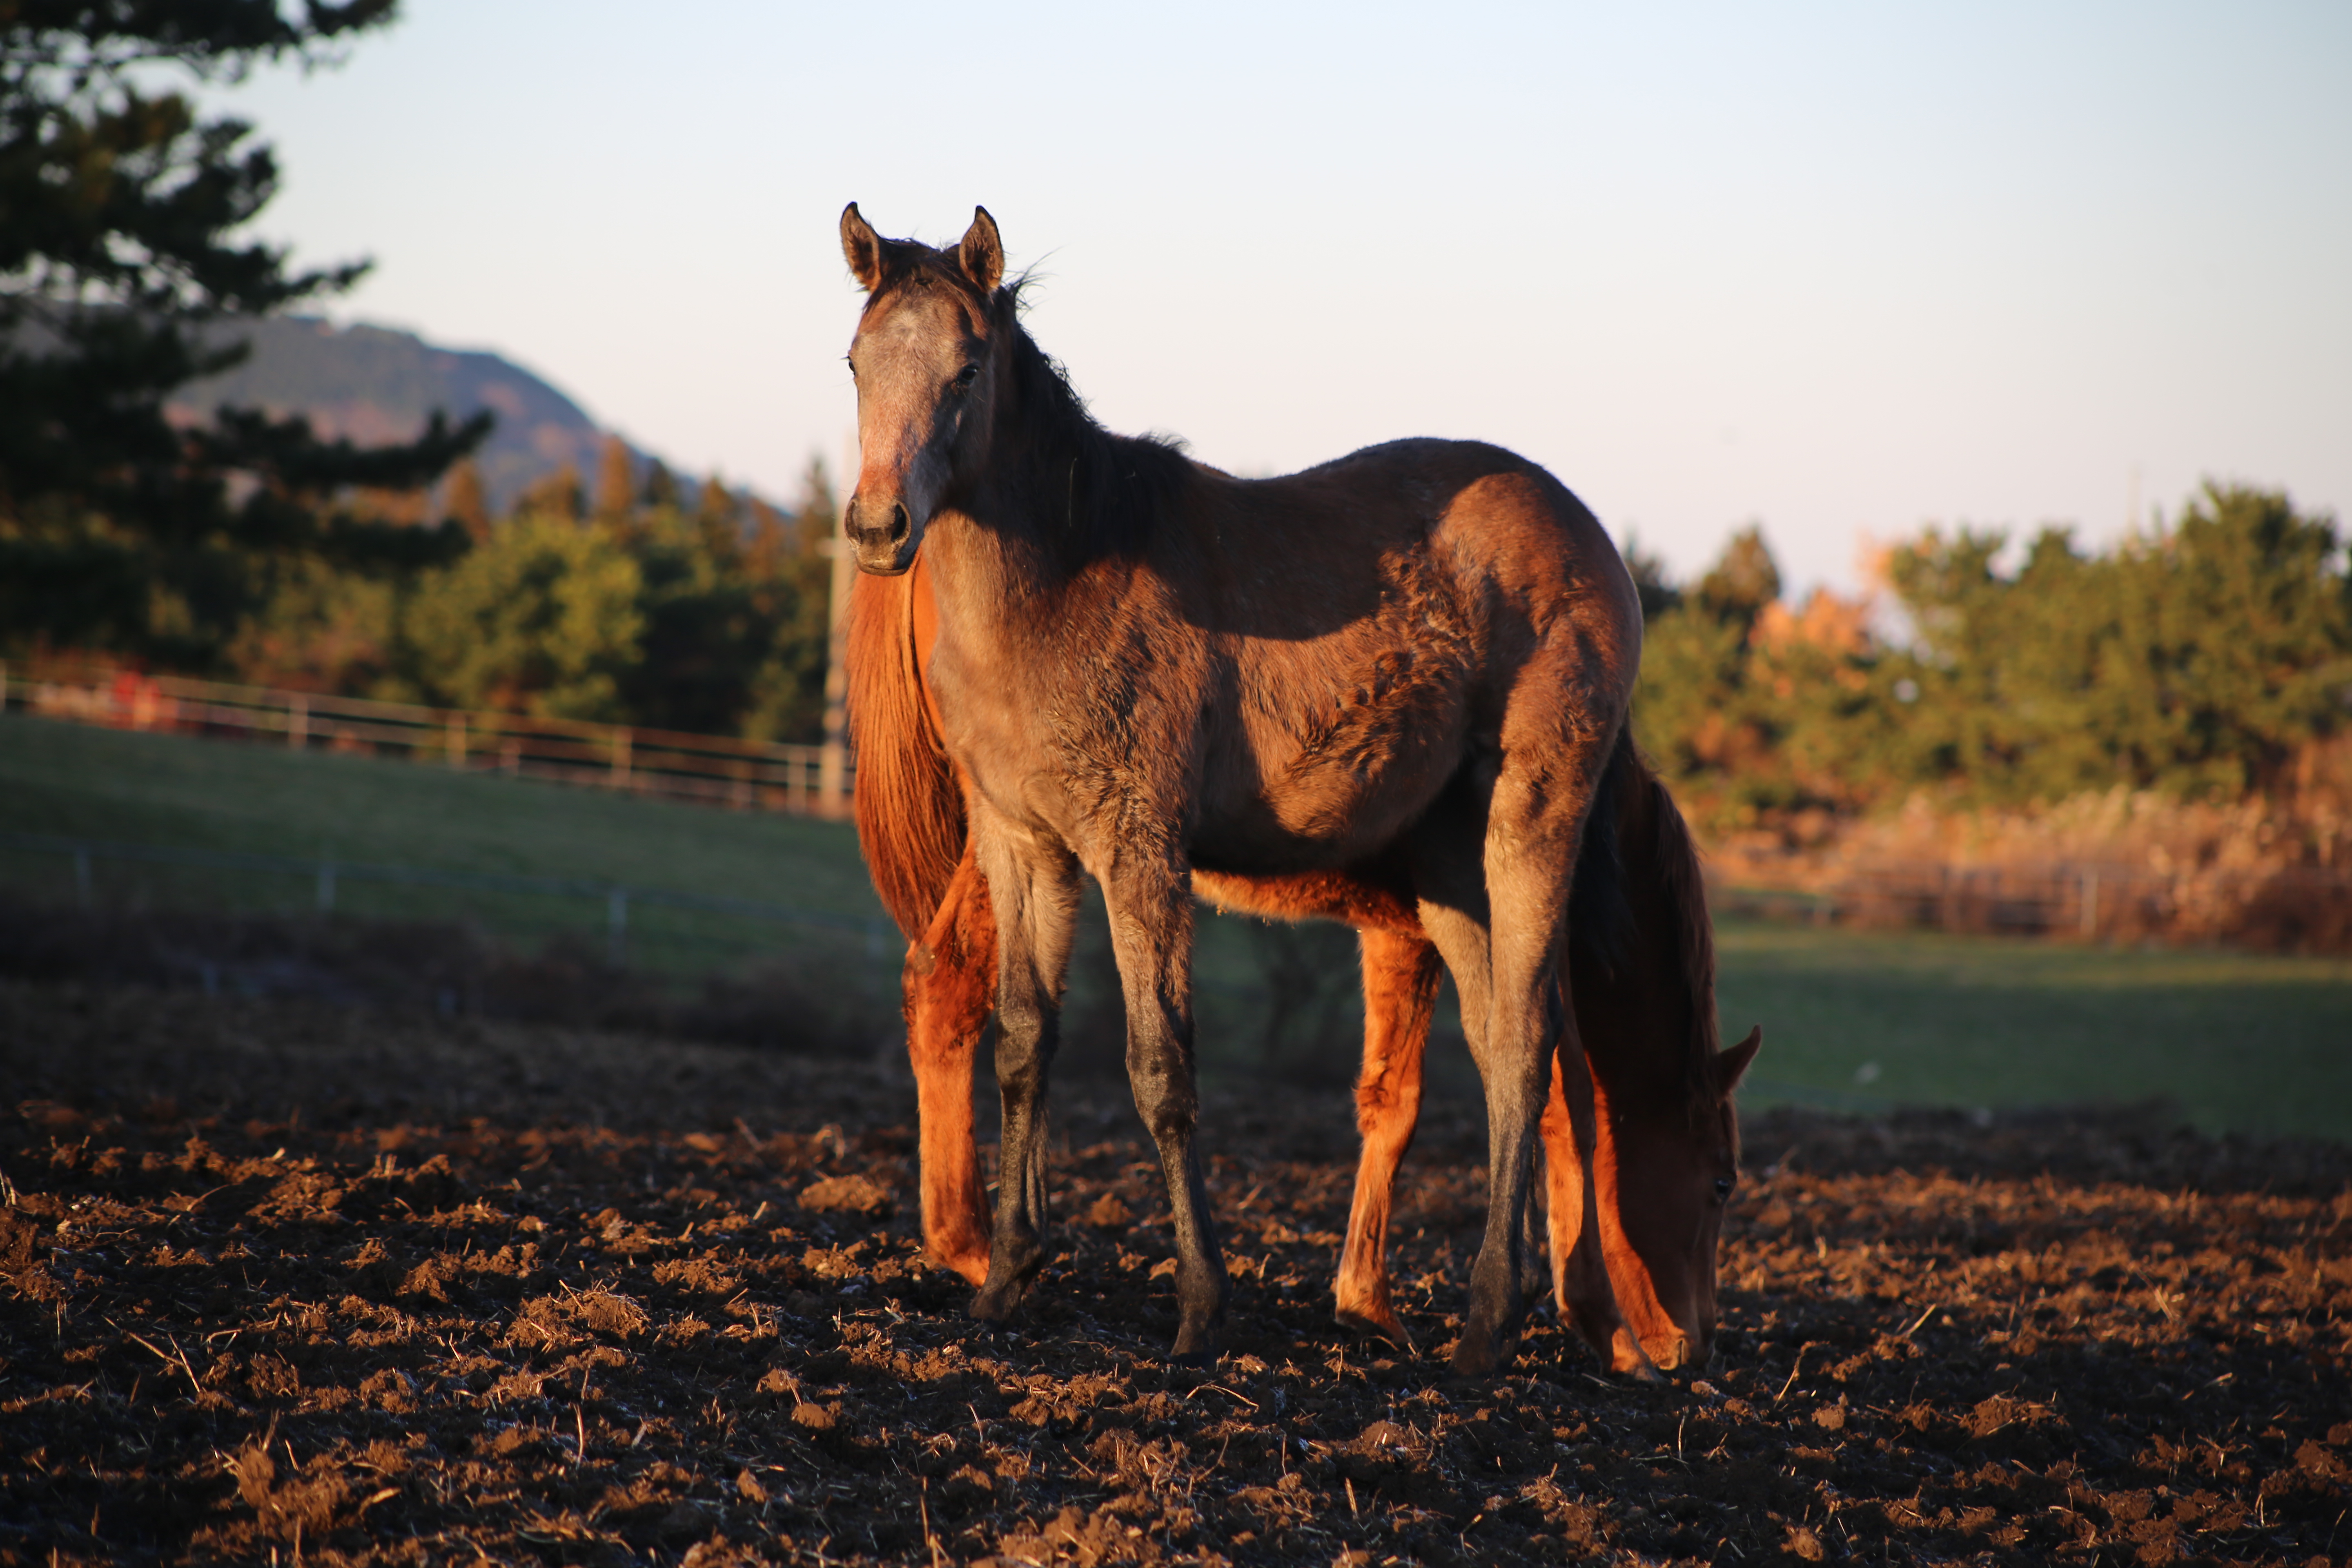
x,y
1419,658
1643,990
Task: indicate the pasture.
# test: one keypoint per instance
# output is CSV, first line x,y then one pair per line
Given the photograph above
x,y
1858,1021
289,1280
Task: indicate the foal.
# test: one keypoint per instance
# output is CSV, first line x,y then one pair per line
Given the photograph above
x,y
1420,654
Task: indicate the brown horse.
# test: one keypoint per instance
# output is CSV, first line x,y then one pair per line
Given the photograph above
x,y
1417,656
1642,988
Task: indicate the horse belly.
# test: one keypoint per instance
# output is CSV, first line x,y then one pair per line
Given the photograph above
x,y
1341,792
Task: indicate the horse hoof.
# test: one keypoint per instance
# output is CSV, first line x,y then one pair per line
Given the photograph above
x,y
1482,1355
1376,1323
997,1303
1196,1345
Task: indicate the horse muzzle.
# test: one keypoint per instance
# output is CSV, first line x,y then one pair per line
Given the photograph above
x,y
881,533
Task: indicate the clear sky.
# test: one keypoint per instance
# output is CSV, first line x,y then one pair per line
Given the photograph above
x,y
1841,269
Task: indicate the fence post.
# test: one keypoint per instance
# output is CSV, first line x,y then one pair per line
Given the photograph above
x,y
326,887
457,741
2091,902
617,925
620,759
298,723
4,686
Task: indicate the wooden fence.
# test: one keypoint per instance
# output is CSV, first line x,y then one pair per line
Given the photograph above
x,y
717,770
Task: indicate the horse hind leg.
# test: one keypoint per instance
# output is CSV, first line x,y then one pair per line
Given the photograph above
x,y
1581,1278
950,984
1400,979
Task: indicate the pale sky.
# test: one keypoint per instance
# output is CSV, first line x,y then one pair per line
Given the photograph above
x,y
1843,271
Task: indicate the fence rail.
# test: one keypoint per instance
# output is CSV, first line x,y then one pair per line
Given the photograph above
x,y
328,874
717,770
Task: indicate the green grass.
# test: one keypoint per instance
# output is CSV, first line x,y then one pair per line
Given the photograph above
x,y
2238,1041
170,789
183,793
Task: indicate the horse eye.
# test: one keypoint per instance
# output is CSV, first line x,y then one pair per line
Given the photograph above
x,y
966,376
1722,1188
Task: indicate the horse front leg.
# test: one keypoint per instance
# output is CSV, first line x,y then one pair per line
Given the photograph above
x,y
950,984
1581,1280
1535,818
1401,977
1150,913
1034,886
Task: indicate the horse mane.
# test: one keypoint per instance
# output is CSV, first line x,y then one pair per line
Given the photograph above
x,y
1091,493
908,808
1684,887
1603,919
1096,493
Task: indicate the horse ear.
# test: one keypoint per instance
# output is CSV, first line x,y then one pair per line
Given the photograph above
x,y
863,247
1731,1065
982,252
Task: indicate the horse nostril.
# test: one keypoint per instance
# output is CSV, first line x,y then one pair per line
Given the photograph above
x,y
898,523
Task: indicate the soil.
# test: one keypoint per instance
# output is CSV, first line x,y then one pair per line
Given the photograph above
x,y
286,1281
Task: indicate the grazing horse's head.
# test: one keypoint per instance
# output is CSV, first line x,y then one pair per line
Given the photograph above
x,y
1672,1175
929,362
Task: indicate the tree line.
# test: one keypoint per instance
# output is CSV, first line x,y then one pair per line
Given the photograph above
x,y
2208,658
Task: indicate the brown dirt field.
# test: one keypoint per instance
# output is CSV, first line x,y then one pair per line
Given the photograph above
x,y
289,1283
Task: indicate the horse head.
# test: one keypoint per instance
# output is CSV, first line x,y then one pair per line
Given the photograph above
x,y
1672,1177
929,359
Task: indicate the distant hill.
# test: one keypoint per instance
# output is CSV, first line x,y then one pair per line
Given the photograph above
x,y
375,384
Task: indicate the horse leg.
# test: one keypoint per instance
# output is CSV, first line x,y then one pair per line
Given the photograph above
x,y
1034,886
950,984
1151,936
1534,820
1400,975
1581,1277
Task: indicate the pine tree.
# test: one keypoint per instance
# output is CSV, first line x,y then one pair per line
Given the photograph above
x,y
717,506
556,495
617,484
819,515
122,205
661,486
463,502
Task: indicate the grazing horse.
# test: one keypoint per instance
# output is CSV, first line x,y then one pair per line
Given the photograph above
x,y
1667,1150
1417,656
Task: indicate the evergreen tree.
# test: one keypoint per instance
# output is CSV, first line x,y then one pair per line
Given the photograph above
x,y
117,252
556,495
661,485
819,515
617,484
464,502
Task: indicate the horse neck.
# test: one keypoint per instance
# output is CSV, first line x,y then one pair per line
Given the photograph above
x,y
1034,514
1653,1058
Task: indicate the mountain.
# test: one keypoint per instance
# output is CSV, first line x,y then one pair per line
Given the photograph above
x,y
375,384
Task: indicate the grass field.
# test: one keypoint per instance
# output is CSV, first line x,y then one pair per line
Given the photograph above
x,y
1862,1020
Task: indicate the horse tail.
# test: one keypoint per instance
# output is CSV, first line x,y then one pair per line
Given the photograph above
x,y
909,811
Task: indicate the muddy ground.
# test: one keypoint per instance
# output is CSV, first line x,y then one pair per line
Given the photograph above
x,y
283,1282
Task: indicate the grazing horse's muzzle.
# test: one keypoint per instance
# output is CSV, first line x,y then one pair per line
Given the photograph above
x,y
881,535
